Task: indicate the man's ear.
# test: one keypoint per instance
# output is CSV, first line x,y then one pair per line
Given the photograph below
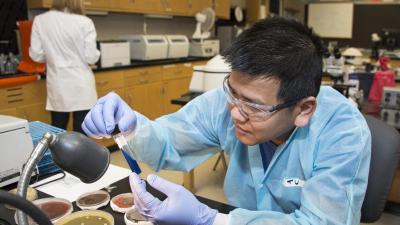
x,y
304,110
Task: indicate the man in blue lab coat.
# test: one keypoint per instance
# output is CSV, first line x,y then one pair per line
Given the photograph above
x,y
298,153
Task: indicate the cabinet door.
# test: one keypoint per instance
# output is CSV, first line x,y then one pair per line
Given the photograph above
x,y
198,5
222,8
47,3
148,6
176,7
34,112
174,89
9,112
122,5
146,99
108,81
96,4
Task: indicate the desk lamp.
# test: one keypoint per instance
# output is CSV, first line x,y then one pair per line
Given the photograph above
x,y
72,152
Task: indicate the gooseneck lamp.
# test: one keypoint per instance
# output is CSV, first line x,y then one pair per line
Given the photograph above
x,y
71,151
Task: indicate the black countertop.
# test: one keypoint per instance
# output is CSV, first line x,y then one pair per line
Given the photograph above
x,y
133,64
139,63
122,186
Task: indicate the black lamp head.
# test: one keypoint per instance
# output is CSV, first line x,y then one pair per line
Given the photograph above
x,y
80,156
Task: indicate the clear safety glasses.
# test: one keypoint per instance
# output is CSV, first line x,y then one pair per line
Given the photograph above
x,y
252,111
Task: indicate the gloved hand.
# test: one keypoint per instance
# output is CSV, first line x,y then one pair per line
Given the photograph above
x,y
179,208
109,111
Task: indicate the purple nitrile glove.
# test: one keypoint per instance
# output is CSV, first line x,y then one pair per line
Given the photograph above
x,y
179,208
109,111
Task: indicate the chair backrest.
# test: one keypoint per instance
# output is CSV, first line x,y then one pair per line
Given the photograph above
x,y
385,153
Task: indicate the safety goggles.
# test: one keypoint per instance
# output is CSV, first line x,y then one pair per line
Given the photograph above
x,y
252,111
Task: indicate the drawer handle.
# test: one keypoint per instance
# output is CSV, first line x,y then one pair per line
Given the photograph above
x,y
103,82
14,89
14,95
16,100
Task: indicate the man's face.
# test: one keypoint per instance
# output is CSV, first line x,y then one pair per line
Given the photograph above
x,y
262,91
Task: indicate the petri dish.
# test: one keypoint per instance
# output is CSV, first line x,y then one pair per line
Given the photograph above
x,y
93,200
31,195
53,208
133,217
122,202
87,217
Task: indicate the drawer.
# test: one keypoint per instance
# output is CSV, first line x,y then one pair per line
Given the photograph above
x,y
143,75
177,71
108,81
34,92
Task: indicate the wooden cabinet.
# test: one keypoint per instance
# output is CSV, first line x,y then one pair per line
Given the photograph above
x,y
108,81
146,99
197,6
222,8
174,89
176,80
168,7
97,4
254,10
26,101
9,112
34,112
144,90
176,7
147,6
35,4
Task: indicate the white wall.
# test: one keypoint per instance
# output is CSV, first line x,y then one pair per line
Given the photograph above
x,y
115,24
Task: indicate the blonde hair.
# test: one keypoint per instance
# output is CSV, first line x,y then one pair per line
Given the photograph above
x,y
73,6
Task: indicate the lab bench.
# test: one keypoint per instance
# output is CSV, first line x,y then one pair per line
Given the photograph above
x,y
121,186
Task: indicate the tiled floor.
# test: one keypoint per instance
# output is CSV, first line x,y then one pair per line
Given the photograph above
x,y
209,183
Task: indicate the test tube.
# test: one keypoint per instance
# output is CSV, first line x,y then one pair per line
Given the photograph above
x,y
120,139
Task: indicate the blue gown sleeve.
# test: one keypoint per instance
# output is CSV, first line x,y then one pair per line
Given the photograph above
x,y
334,193
182,140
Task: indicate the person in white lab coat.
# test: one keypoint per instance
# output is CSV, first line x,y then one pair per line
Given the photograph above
x,y
65,40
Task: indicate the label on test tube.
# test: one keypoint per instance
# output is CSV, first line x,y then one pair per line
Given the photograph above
x,y
123,145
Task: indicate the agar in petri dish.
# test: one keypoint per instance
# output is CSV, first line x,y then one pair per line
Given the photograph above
x,y
122,202
87,217
93,200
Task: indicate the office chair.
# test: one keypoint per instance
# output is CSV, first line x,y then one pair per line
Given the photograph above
x,y
385,154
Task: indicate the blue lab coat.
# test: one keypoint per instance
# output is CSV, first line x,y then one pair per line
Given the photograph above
x,y
318,176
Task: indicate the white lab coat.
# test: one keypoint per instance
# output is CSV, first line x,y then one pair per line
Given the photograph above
x,y
67,44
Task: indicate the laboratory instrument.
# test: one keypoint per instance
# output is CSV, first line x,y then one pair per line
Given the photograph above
x,y
72,152
147,47
120,139
178,46
201,45
114,53
16,147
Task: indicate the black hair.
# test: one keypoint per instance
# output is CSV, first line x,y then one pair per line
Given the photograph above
x,y
282,48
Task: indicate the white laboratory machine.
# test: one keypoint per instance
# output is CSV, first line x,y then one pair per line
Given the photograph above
x,y
178,46
114,53
201,45
204,48
147,47
209,76
16,147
